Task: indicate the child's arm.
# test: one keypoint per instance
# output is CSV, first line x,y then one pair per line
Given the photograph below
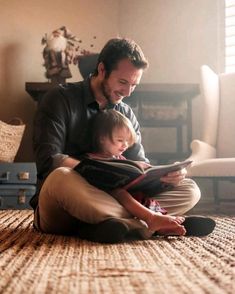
x,y
143,164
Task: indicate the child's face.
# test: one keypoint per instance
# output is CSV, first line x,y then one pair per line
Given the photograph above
x,y
119,144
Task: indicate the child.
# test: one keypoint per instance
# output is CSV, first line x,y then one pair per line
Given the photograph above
x,y
111,134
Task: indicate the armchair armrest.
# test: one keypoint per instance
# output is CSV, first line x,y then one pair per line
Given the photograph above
x,y
201,151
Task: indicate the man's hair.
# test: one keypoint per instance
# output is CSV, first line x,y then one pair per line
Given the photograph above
x,y
121,48
104,123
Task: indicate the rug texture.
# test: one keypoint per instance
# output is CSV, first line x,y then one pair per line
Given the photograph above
x,y
31,262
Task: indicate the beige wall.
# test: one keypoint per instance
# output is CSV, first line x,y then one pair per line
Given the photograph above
x,y
178,36
23,24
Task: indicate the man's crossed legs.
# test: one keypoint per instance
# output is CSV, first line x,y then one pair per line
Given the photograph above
x,y
68,204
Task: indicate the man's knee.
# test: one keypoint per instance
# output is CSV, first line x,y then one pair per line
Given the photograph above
x,y
194,193
57,179
59,174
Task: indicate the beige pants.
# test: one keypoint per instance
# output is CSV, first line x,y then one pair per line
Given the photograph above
x,y
66,198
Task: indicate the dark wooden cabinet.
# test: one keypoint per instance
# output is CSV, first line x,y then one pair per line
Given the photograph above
x,y
164,112
36,89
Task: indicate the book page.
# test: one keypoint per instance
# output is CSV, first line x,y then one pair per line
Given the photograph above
x,y
127,164
170,167
152,175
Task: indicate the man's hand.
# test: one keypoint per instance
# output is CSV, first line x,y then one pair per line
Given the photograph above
x,y
69,162
174,178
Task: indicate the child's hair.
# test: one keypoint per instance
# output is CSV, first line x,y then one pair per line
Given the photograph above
x,y
104,123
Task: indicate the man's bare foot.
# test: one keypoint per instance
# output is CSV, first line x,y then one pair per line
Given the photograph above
x,y
166,224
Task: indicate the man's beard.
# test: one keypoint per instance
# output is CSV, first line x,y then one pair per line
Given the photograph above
x,y
106,91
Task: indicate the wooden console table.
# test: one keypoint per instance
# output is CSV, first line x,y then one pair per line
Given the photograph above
x,y
167,106
36,89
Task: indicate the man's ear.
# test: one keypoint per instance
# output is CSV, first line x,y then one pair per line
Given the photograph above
x,y
101,69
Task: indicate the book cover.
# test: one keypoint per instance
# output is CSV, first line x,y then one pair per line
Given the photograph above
x,y
115,173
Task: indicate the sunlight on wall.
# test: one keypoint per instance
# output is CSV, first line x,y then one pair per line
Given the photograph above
x,y
23,24
177,37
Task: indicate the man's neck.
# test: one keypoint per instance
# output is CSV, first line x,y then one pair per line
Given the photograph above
x,y
98,93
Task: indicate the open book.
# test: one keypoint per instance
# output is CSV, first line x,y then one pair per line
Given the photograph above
x,y
115,173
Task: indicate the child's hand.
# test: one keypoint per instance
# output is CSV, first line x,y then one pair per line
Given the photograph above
x,y
143,164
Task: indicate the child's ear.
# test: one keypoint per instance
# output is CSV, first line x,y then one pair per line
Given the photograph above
x,y
102,139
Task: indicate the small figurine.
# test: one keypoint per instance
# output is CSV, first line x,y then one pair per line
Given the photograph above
x,y
59,53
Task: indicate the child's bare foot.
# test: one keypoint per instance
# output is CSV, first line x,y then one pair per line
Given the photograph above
x,y
166,224
177,231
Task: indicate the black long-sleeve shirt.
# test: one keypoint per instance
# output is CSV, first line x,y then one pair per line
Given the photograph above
x,y
61,125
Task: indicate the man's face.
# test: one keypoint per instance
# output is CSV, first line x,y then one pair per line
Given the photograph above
x,y
121,81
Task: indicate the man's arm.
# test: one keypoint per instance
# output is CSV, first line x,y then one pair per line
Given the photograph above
x,y
136,152
65,161
49,131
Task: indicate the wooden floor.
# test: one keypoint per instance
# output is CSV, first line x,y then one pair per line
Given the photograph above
x,y
209,207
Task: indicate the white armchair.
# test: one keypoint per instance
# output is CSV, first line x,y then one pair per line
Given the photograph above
x,y
214,155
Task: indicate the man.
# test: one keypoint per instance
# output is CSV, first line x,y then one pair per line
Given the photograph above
x,y
67,204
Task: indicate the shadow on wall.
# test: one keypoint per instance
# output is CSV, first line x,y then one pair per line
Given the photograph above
x,y
13,98
10,76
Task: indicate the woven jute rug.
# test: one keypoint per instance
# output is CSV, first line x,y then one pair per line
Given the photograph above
x,y
31,262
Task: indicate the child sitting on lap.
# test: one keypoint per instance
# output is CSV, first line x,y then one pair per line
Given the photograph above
x,y
112,134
